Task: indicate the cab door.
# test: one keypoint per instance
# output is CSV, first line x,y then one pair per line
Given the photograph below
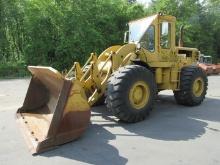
x,y
166,40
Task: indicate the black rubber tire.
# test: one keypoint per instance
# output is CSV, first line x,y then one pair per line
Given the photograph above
x,y
185,95
117,93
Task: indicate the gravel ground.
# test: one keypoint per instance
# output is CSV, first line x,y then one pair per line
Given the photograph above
x,y
172,134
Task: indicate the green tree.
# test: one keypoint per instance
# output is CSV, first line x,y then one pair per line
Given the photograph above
x,y
59,32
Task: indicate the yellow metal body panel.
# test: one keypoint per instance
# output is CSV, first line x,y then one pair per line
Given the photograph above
x,y
77,100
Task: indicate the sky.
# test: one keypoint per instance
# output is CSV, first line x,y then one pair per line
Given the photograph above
x,y
145,2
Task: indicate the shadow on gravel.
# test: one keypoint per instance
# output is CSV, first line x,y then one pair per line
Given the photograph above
x,y
92,148
171,122
168,122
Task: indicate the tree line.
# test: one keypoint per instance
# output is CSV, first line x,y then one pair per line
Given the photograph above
x,y
59,32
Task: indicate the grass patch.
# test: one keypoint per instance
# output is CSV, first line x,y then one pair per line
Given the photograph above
x,y
10,70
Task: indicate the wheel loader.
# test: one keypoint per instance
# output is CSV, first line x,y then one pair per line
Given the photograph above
x,y
57,107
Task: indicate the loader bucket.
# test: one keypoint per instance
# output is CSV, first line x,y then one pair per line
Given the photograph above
x,y
55,110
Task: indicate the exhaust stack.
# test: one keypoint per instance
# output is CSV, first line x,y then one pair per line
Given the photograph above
x,y
181,36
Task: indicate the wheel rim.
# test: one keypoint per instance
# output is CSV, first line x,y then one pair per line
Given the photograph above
x,y
198,87
139,95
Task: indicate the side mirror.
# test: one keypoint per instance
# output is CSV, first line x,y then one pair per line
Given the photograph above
x,y
126,37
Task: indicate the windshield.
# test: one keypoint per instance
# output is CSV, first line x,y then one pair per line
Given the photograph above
x,y
139,27
207,59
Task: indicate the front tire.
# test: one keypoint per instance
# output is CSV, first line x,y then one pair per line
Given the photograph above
x,y
131,93
193,86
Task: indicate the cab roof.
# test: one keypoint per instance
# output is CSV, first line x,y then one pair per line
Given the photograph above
x,y
156,16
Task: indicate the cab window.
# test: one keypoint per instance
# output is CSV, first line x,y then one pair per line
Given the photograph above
x,y
165,35
148,40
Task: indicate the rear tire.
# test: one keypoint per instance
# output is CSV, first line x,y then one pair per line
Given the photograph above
x,y
193,86
131,93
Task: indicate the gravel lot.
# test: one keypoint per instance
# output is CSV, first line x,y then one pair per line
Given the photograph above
x,y
172,134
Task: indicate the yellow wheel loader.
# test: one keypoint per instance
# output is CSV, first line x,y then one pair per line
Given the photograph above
x,y
56,109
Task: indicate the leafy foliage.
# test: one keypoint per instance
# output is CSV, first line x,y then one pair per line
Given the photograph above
x,y
59,32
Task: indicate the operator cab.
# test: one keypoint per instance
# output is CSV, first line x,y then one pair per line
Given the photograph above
x,y
156,34
205,59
